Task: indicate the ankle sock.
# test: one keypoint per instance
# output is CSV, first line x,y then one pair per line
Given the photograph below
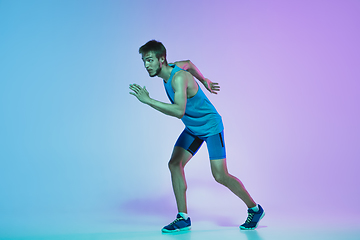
x,y
256,208
184,215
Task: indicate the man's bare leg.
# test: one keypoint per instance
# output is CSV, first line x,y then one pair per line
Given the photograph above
x,y
178,160
222,176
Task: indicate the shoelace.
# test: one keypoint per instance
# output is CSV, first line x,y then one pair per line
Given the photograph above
x,y
250,217
176,220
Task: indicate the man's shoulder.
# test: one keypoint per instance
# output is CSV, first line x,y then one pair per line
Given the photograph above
x,y
183,78
182,74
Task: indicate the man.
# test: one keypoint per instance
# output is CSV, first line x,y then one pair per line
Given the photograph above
x,y
202,123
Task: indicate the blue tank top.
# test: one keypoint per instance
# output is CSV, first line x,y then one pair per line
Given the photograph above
x,y
201,117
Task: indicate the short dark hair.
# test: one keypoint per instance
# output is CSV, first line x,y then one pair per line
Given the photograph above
x,y
154,46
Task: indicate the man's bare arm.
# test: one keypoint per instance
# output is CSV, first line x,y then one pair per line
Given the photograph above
x,y
177,109
191,68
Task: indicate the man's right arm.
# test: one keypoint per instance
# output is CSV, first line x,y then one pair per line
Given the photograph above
x,y
193,70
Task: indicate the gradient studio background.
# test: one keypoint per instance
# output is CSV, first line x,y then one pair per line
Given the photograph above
x,y
73,141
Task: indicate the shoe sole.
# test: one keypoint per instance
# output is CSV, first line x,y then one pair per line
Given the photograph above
x,y
176,230
262,215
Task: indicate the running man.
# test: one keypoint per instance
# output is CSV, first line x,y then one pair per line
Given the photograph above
x,y
202,123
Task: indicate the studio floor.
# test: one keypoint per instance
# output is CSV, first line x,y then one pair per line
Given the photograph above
x,y
113,227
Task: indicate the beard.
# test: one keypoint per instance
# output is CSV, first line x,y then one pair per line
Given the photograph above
x,y
158,70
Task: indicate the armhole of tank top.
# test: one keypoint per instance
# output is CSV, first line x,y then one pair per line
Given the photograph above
x,y
194,81
196,91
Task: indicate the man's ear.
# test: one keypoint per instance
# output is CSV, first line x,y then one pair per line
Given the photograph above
x,y
162,59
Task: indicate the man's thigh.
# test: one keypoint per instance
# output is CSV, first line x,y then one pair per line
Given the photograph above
x,y
216,146
189,142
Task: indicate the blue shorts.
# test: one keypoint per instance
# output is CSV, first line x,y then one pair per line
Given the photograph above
x,y
192,143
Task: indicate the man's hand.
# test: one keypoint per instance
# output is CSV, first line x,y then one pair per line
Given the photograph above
x,y
141,93
212,87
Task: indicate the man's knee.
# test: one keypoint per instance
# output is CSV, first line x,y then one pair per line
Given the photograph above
x,y
174,163
220,177
179,158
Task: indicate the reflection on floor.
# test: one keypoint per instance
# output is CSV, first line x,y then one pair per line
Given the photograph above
x,y
111,227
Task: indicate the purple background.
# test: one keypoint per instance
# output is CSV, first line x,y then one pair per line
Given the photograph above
x,y
74,141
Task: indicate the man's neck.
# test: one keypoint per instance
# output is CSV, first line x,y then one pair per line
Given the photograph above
x,y
165,72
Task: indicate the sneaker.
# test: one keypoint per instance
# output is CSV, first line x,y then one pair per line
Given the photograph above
x,y
179,224
253,219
